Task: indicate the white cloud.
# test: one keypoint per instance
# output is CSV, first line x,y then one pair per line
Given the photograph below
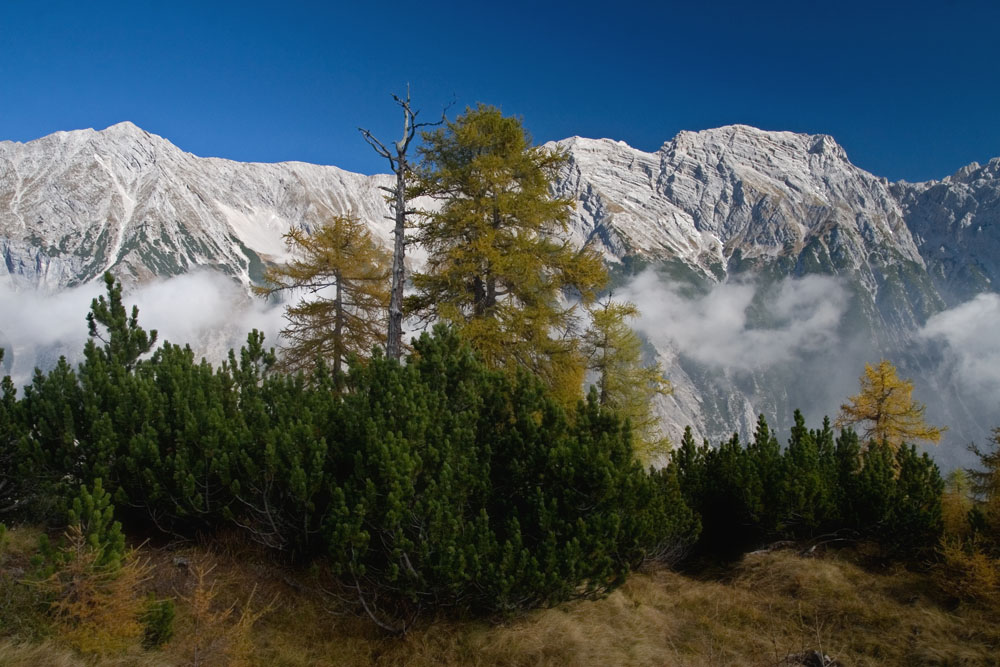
x,y
206,309
802,315
969,333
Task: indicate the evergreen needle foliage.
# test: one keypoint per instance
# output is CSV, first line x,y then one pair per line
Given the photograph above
x,y
124,340
438,483
12,491
819,485
93,513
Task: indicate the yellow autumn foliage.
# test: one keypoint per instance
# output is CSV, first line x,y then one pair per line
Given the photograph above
x,y
498,259
614,354
97,607
886,410
344,275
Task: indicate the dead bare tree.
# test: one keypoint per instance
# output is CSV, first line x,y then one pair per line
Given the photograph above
x,y
397,201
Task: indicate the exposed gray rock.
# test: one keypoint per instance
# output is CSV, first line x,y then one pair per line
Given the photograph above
x,y
707,208
74,204
956,224
737,202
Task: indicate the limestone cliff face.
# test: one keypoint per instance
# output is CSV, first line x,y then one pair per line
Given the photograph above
x,y
74,204
709,208
737,194
736,204
956,225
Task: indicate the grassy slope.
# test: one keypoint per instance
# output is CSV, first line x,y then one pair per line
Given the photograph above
x,y
764,608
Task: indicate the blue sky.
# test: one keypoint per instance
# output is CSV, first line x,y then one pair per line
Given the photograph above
x,y
910,89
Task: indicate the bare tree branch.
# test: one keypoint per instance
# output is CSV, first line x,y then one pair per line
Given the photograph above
x,y
375,143
397,202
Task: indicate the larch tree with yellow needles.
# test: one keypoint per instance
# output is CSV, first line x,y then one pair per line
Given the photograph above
x,y
345,275
886,410
614,355
498,259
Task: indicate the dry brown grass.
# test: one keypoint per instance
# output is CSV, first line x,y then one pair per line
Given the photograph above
x,y
769,606
755,613
52,653
14,654
16,543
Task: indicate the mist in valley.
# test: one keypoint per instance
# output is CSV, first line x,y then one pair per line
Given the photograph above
x,y
794,344
784,345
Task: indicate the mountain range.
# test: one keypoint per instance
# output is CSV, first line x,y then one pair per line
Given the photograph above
x,y
767,266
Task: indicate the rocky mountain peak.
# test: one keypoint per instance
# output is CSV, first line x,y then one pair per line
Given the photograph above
x,y
729,204
125,127
738,142
74,204
964,174
973,172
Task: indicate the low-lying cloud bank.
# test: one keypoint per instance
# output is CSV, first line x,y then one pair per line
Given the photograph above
x,y
798,318
792,329
204,308
970,336
796,331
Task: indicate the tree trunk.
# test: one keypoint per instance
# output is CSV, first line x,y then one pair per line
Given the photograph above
x,y
479,299
394,342
491,295
394,334
338,328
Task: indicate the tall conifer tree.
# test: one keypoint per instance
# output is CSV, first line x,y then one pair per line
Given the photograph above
x,y
886,409
496,264
346,273
614,353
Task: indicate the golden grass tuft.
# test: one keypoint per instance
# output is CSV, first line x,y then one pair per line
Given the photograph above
x,y
15,654
17,543
52,653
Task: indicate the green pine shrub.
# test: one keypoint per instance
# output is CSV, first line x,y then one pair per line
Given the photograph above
x,y
431,484
94,513
158,621
817,486
466,488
